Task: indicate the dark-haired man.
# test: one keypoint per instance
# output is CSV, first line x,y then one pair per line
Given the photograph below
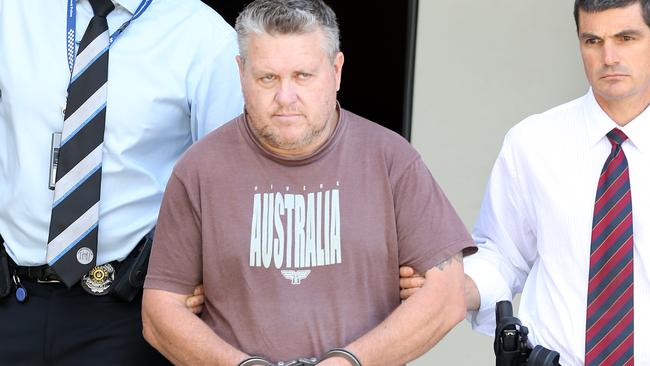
x,y
565,217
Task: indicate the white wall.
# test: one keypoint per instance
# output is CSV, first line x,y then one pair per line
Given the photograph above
x,y
482,66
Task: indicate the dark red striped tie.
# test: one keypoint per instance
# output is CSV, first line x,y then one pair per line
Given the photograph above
x,y
610,306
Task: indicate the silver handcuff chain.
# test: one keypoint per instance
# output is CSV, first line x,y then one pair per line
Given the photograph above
x,y
258,361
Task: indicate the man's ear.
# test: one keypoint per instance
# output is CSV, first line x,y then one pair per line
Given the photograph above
x,y
240,66
338,68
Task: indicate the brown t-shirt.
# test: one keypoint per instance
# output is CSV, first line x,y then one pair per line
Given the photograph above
x,y
300,256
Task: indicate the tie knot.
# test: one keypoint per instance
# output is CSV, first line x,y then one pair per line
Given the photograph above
x,y
101,8
616,136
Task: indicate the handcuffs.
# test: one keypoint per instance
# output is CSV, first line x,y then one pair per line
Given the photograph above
x,y
312,361
259,361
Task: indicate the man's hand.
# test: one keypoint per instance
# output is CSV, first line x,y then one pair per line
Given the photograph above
x,y
195,301
184,339
409,282
418,323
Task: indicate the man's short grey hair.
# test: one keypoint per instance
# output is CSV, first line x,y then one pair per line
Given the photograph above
x,y
284,17
594,6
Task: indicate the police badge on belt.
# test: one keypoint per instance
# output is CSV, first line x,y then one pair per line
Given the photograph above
x,y
98,280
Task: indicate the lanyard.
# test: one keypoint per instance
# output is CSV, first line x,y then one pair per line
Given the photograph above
x,y
72,28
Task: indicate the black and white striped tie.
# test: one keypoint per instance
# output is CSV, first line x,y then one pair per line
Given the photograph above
x,y
72,243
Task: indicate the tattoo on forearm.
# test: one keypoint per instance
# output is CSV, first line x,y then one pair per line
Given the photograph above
x,y
458,258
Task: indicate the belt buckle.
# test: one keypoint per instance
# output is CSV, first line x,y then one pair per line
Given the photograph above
x,y
42,274
98,280
38,280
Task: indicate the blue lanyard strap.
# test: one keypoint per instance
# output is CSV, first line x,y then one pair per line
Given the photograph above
x,y
72,28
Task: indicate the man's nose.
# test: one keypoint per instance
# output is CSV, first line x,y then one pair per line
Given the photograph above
x,y
286,94
610,54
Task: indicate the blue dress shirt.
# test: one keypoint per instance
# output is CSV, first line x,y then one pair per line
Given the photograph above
x,y
172,78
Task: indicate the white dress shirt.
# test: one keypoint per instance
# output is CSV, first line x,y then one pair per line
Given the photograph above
x,y
535,222
172,78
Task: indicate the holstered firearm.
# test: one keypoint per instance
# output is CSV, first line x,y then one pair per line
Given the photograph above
x,y
511,342
5,275
129,278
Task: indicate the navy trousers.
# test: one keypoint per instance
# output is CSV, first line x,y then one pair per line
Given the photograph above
x,y
58,326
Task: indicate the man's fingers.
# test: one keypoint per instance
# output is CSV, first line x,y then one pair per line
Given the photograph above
x,y
194,300
405,294
405,271
411,282
198,290
195,303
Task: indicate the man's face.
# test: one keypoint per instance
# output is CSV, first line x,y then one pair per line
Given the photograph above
x,y
289,84
615,48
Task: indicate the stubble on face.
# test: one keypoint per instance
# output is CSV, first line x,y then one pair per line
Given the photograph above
x,y
289,84
271,137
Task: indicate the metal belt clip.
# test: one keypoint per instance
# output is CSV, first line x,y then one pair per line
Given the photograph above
x,y
44,275
38,280
21,292
54,158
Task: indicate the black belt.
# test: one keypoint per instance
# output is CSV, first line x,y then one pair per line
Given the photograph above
x,y
40,274
100,280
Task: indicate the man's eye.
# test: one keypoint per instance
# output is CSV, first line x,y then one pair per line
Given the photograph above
x,y
267,78
627,38
304,76
591,41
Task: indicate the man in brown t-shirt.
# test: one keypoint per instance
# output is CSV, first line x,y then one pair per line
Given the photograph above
x,y
296,217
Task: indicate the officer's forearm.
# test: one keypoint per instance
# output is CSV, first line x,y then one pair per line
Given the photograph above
x,y
420,321
171,328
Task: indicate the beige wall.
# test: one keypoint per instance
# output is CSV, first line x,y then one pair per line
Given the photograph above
x,y
482,66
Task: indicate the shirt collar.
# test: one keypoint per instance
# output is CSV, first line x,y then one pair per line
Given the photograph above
x,y
130,5
598,124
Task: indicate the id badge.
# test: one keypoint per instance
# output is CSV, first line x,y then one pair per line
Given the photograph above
x,y
54,158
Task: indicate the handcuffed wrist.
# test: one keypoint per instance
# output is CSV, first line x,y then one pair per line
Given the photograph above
x,y
255,361
343,353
